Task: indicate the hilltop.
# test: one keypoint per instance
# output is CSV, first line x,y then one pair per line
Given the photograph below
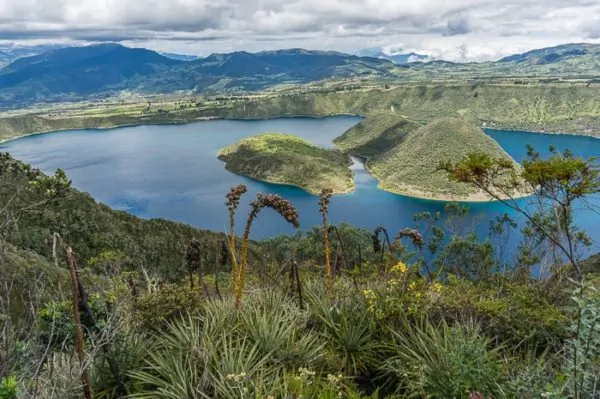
x,y
375,134
408,156
287,159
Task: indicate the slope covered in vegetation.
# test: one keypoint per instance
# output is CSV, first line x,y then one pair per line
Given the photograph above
x,y
333,312
375,134
93,228
405,157
550,107
286,159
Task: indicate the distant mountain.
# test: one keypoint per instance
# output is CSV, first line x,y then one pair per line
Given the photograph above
x,y
180,57
76,73
79,71
550,55
12,52
242,70
399,58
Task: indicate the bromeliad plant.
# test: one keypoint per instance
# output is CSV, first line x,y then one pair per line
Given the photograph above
x,y
275,202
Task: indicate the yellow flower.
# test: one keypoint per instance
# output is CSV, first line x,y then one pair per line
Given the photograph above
x,y
436,288
412,286
371,299
399,267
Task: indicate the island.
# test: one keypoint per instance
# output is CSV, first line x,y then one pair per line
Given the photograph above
x,y
287,159
404,156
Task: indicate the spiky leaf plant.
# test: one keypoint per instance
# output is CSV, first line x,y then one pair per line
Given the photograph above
x,y
279,329
443,361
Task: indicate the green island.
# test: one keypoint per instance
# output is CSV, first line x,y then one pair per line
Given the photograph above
x,y
287,159
405,157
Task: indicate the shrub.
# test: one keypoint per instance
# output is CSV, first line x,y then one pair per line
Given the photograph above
x,y
8,387
154,310
442,361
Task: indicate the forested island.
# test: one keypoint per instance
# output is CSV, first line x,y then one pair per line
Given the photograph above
x,y
286,159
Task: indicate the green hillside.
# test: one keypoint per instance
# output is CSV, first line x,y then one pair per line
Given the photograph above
x,y
375,134
410,166
93,228
286,159
553,108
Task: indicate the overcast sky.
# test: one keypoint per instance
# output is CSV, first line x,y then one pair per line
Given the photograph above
x,y
462,30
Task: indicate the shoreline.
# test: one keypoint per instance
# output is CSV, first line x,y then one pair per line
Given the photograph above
x,y
314,194
476,198
177,122
412,193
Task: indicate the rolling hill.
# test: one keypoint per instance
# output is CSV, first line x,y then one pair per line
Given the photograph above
x,y
12,52
81,72
287,159
375,134
407,156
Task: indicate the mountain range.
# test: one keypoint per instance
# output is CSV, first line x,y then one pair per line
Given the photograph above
x,y
12,52
397,58
75,73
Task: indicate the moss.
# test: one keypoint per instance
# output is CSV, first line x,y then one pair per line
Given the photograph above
x,y
286,159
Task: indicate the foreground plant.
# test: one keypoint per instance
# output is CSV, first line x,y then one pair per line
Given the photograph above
x,y
233,201
324,198
279,205
557,182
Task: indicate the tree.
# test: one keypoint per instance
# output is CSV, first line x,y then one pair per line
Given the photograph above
x,y
555,185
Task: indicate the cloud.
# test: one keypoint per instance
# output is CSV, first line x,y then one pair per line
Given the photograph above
x,y
460,30
458,25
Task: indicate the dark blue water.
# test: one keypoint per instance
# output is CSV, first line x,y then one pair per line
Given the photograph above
x,y
172,172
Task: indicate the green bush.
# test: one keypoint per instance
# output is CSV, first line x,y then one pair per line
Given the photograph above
x,y
8,387
443,361
154,310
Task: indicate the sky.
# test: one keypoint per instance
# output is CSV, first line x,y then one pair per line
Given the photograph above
x,y
456,30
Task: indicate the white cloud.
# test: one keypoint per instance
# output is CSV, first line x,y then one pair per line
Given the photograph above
x,y
461,30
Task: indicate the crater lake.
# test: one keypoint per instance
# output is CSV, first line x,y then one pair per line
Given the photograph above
x,y
172,172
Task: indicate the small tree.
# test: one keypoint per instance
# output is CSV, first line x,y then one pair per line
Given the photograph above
x,y
555,185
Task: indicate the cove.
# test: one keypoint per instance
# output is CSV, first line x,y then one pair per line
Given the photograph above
x,y
172,172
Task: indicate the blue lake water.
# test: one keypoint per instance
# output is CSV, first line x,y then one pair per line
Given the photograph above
x,y
171,172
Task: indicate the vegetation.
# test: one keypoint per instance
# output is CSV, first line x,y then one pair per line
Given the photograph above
x,y
375,135
405,157
430,311
553,107
286,159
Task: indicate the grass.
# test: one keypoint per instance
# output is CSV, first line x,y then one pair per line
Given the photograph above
x,y
375,134
286,159
405,156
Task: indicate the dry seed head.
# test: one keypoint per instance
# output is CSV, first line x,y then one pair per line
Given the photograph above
x,y
414,235
324,199
234,195
283,207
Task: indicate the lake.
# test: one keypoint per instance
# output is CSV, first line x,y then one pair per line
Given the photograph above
x,y
172,172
